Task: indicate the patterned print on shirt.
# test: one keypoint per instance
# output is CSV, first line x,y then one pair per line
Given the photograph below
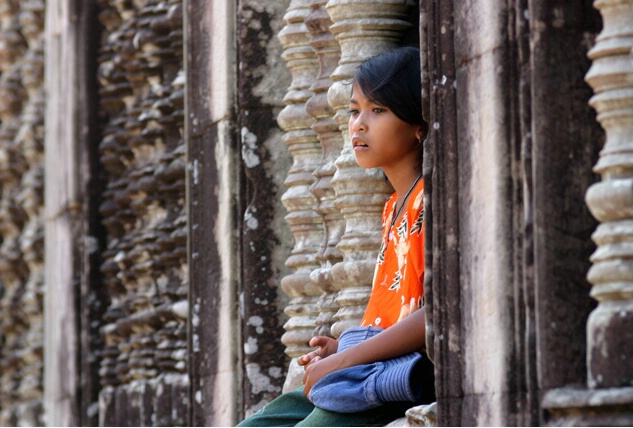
x,y
417,225
395,285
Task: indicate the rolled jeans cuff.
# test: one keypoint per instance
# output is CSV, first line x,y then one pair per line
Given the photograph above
x,y
367,386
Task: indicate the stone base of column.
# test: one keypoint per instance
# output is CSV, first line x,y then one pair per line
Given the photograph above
x,y
580,407
418,416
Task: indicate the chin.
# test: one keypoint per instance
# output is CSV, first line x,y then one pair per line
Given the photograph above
x,y
361,163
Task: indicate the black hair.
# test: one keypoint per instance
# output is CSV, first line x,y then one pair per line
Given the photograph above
x,y
392,79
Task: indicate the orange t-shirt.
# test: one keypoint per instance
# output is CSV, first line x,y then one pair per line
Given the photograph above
x,y
398,279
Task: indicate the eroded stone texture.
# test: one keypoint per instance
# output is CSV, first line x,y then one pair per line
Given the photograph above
x,y
141,86
263,80
22,104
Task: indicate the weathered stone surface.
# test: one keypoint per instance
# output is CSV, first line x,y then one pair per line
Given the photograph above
x,y
305,223
610,326
557,305
22,110
266,239
582,407
328,52
173,351
512,240
485,212
142,149
442,282
608,400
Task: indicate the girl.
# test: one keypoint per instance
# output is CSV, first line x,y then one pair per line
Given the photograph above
x,y
374,372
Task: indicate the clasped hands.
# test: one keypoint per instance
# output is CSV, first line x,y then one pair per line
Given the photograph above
x,y
317,364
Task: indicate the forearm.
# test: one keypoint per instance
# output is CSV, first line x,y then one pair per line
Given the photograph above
x,y
404,337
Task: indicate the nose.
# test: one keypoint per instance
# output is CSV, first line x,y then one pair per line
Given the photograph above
x,y
357,123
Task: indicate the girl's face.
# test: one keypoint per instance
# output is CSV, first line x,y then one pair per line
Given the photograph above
x,y
379,138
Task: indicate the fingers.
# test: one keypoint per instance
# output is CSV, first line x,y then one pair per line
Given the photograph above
x,y
303,360
319,341
307,382
309,358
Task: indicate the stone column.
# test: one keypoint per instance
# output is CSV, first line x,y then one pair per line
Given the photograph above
x,y
608,400
610,325
329,53
363,29
305,223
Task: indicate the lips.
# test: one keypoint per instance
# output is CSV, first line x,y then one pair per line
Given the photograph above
x,y
358,143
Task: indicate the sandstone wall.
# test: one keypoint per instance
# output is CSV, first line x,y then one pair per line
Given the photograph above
x,y
144,362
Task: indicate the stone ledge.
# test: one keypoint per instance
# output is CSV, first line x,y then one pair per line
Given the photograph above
x,y
589,407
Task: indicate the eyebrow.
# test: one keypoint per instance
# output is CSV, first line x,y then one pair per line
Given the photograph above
x,y
353,101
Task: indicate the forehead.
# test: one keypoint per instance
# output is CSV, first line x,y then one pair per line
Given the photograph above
x,y
357,94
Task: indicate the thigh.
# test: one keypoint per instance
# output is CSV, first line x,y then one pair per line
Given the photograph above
x,y
287,410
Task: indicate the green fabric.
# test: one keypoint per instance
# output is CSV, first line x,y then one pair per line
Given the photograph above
x,y
294,409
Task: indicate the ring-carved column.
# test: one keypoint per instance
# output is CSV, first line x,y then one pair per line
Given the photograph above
x,y
328,53
305,223
363,29
610,325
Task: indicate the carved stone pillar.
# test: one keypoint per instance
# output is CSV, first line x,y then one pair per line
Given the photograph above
x,y
608,400
610,325
328,52
305,223
363,29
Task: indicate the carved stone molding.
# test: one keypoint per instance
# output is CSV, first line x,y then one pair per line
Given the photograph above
x,y
305,223
363,29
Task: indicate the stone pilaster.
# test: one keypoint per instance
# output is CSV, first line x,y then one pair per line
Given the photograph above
x,y
328,53
305,223
363,29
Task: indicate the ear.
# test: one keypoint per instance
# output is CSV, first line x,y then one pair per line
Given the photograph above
x,y
422,132
419,134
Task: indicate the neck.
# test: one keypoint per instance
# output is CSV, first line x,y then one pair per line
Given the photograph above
x,y
402,199
403,180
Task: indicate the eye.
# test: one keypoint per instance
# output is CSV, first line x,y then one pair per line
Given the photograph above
x,y
352,111
379,110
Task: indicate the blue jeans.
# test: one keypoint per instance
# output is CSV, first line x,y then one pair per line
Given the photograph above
x,y
294,409
367,386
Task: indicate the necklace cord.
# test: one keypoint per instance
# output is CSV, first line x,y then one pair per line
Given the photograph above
x,y
404,200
